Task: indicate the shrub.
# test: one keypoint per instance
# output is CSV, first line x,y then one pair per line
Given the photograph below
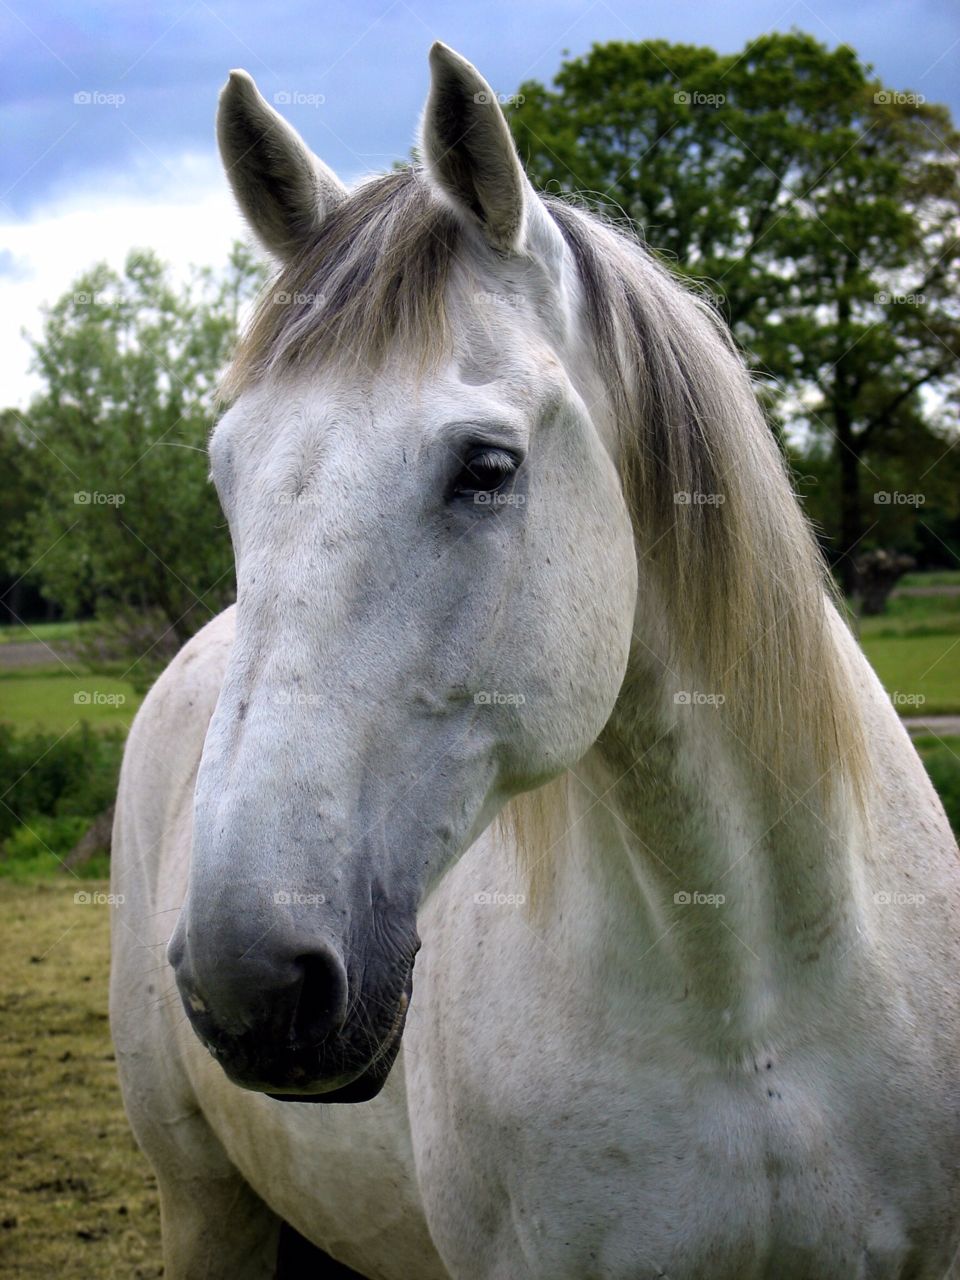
x,y
73,775
942,763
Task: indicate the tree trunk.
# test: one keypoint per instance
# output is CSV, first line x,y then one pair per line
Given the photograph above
x,y
96,839
848,447
851,521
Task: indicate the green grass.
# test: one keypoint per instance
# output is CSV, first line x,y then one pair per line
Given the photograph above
x,y
915,649
926,667
915,616
45,631
929,742
941,759
932,578
49,700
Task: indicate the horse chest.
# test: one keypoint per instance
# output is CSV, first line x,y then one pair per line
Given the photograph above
x,y
779,1177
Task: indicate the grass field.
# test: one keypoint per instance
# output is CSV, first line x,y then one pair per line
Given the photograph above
x,y
918,667
54,699
915,649
932,578
77,1199
47,632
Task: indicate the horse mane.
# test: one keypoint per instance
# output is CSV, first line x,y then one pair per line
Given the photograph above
x,y
746,590
749,596
373,281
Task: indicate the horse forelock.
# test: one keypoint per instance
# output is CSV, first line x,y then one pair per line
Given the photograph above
x,y
375,279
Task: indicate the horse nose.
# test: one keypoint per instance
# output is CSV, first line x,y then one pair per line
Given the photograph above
x,y
296,991
321,1007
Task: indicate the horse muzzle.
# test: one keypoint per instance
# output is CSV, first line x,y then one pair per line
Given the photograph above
x,y
284,1020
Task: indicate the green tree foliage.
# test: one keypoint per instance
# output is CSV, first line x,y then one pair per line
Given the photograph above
x,y
57,774
129,526
821,210
19,494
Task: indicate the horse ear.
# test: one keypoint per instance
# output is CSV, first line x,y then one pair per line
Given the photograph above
x,y
283,190
469,151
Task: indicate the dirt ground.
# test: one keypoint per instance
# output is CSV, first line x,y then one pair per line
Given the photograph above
x,y
77,1198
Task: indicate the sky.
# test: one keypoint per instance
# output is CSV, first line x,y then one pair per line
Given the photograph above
x,y
108,108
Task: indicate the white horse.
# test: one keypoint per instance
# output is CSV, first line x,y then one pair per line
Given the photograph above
x,y
532,661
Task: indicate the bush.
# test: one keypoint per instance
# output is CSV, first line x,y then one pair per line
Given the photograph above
x,y
942,762
38,847
73,775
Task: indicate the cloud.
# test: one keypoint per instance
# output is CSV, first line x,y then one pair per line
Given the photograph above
x,y
107,109
157,68
193,222
14,268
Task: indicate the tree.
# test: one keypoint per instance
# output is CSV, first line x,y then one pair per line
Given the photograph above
x,y
819,207
19,495
129,525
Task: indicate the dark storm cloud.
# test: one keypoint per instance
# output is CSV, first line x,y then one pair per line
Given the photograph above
x,y
93,89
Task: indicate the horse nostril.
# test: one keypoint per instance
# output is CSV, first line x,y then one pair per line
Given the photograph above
x,y
322,1002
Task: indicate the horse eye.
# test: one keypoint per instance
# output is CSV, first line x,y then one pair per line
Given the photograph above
x,y
484,471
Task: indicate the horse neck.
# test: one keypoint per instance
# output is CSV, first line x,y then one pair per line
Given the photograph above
x,y
686,874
